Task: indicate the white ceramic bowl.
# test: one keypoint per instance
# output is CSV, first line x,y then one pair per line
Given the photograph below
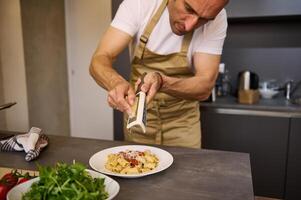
x,y
268,93
112,187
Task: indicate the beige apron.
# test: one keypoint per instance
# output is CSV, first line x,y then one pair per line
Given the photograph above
x,y
170,121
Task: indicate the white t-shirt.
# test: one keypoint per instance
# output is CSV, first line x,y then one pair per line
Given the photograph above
x,y
133,15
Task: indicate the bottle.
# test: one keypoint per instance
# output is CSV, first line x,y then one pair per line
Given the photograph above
x,y
218,83
226,84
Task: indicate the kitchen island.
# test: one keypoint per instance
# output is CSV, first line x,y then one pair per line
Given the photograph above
x,y
195,173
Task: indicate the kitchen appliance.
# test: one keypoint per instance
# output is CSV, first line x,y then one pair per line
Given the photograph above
x,y
248,80
248,83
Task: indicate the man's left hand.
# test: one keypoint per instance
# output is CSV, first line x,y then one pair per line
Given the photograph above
x,y
152,84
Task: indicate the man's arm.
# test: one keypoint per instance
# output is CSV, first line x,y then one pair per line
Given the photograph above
x,y
120,94
199,86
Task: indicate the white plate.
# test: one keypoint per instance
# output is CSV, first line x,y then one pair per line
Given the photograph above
x,y
98,160
112,187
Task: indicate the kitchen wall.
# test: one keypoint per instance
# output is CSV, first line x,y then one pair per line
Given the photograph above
x,y
263,8
59,40
269,47
13,80
43,28
90,114
2,113
266,40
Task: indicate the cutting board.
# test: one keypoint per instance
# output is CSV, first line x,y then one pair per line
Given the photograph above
x,y
4,170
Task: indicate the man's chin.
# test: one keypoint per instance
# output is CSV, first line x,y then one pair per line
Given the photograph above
x,y
177,32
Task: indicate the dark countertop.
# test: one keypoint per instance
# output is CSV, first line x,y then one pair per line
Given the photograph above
x,y
195,173
276,105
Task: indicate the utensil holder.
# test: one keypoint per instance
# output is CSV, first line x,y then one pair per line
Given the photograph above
x,y
248,96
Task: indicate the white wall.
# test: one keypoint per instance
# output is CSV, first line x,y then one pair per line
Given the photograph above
x,y
13,67
86,21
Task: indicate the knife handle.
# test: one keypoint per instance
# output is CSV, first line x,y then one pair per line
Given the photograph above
x,y
7,105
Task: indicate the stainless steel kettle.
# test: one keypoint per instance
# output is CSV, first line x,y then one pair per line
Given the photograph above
x,y
248,80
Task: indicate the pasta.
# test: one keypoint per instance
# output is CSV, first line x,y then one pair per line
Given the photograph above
x,y
131,162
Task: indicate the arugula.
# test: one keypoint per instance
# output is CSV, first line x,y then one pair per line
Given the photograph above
x,y
66,182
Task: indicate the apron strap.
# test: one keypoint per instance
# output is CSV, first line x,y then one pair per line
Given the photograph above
x,y
149,28
185,42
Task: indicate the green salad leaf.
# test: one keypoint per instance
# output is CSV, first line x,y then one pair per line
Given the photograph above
x,y
66,182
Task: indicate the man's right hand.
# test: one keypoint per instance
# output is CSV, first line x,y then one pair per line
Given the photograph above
x,y
122,97
120,93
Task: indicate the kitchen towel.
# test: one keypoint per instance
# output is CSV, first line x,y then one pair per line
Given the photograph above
x,y
32,143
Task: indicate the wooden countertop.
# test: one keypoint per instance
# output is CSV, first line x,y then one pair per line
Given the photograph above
x,y
195,173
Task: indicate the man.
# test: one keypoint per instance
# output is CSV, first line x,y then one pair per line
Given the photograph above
x,y
178,43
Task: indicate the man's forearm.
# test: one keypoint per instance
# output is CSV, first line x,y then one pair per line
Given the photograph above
x,y
103,73
199,86
195,88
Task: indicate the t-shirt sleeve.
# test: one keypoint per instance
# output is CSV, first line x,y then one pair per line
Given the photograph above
x,y
127,17
213,36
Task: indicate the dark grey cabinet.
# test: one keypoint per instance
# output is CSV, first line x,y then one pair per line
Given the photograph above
x,y
264,138
293,181
263,8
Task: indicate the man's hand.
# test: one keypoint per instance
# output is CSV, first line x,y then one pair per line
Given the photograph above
x,y
120,94
152,84
122,97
